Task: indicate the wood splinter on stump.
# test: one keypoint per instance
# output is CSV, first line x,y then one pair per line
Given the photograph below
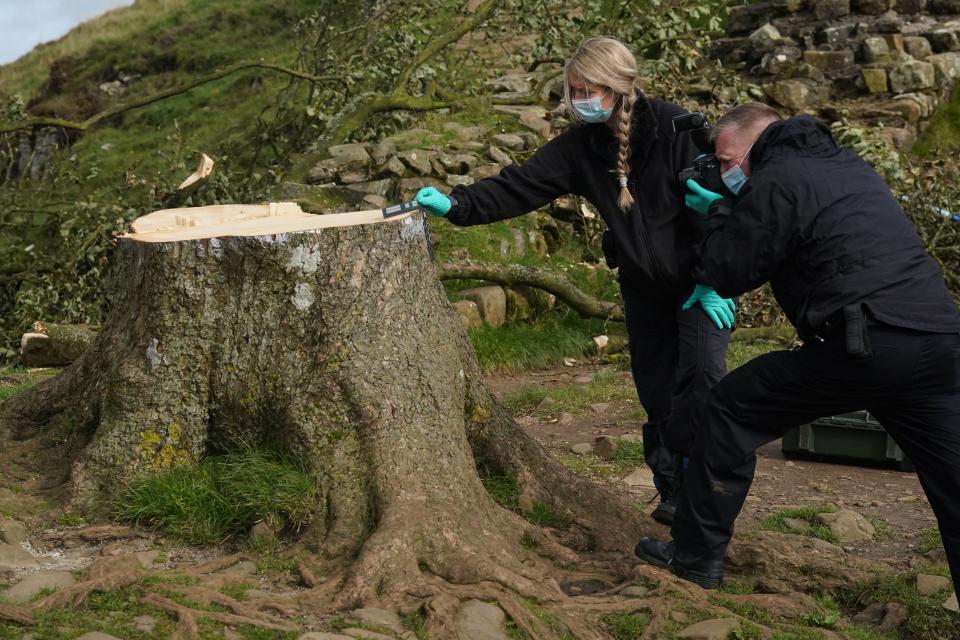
x,y
338,343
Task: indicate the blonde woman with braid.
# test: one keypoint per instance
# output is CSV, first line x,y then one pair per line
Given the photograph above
x,y
623,156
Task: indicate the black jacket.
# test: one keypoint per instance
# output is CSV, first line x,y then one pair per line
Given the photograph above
x,y
819,223
653,240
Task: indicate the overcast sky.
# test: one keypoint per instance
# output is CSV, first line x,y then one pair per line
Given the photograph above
x,y
26,23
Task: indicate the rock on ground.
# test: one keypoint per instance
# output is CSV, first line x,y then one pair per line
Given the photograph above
x,y
31,585
716,629
378,618
931,585
479,620
849,526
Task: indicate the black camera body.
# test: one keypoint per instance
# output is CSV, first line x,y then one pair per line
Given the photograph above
x,y
705,170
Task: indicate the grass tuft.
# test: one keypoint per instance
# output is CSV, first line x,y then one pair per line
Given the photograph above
x,y
519,346
926,620
626,626
814,530
222,497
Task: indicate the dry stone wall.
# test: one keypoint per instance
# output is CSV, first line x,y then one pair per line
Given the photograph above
x,y
886,62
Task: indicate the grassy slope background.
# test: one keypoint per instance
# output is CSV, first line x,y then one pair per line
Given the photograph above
x,y
56,229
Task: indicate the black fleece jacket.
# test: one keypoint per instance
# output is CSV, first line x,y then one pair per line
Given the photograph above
x,y
822,226
653,240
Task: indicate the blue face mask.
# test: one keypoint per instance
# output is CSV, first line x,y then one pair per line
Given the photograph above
x,y
591,111
734,177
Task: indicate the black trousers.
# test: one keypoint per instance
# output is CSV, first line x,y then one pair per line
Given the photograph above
x,y
911,383
675,357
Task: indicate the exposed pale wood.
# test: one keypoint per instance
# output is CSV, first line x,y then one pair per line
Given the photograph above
x,y
196,223
204,169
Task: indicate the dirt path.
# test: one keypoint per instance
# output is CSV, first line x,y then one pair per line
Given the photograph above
x,y
889,497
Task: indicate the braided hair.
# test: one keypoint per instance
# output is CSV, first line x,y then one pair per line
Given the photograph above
x,y
607,62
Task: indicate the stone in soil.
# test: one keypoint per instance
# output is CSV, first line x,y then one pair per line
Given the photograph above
x,y
931,585
479,620
716,629
33,584
378,618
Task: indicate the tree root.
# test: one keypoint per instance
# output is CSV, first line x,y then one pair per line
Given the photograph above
x,y
16,614
187,616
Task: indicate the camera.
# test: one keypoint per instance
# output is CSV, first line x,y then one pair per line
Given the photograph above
x,y
705,169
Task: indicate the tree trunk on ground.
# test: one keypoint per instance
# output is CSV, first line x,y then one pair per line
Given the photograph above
x,y
340,346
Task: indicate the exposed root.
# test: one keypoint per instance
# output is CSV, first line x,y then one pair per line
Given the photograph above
x,y
15,614
186,613
75,595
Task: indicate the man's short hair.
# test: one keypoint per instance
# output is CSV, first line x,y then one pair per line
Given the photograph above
x,y
744,116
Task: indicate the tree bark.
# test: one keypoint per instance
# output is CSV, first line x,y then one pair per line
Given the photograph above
x,y
340,346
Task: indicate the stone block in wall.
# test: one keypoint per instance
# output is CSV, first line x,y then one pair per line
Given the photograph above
x,y
829,61
491,302
834,35
894,41
765,33
945,7
484,171
874,79
875,49
806,71
468,312
829,9
748,18
796,93
872,7
914,75
946,67
913,107
900,138
780,59
917,46
731,49
889,22
910,7
942,40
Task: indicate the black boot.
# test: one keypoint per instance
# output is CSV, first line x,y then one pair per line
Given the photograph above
x,y
668,494
661,553
665,510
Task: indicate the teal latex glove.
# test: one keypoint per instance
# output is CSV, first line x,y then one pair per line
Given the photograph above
x,y
718,309
433,201
698,198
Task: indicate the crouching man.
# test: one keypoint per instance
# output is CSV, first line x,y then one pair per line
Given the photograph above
x,y
879,328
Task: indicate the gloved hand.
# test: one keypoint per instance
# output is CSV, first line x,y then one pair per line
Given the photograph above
x,y
433,201
718,309
699,199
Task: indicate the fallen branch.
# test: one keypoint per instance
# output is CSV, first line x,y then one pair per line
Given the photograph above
x,y
511,275
48,121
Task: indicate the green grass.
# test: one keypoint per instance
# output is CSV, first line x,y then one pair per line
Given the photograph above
x,y
551,620
236,590
814,530
747,610
16,380
626,626
927,619
942,134
521,346
827,614
735,587
222,497
506,492
606,386
929,540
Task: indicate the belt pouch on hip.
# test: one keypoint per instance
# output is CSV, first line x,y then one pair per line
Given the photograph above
x,y
855,331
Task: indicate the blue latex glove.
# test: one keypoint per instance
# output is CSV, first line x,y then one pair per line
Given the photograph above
x,y
433,201
698,198
718,309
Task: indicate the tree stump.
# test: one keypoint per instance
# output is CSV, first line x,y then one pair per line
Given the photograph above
x,y
340,346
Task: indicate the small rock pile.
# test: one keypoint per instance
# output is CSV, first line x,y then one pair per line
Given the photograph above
x,y
904,54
